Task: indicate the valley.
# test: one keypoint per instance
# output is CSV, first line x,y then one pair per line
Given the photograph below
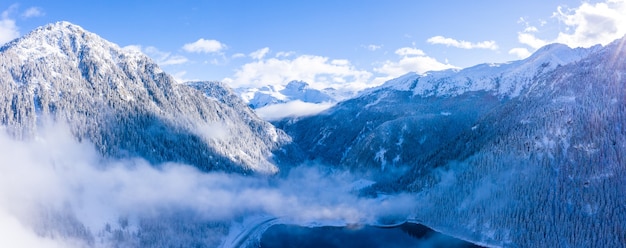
x,y
102,148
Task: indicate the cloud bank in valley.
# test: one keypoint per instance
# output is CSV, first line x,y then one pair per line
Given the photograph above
x,y
54,180
295,108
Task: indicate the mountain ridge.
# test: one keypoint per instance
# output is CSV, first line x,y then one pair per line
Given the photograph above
x,y
522,154
292,91
504,79
503,166
125,104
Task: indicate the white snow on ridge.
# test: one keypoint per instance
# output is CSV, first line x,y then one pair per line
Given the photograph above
x,y
67,71
503,79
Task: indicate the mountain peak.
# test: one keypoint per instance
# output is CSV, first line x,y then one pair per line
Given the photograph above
x,y
61,26
504,80
123,102
552,47
49,33
297,85
65,39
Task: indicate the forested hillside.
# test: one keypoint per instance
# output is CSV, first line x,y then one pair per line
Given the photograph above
x,y
541,167
123,103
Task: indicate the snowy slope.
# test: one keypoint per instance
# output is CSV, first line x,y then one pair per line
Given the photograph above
x,y
123,102
542,168
424,109
523,154
504,80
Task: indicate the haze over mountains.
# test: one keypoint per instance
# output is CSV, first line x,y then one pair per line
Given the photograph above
x,y
522,154
297,98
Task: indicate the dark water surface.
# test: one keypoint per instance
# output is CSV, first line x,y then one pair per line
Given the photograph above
x,y
405,235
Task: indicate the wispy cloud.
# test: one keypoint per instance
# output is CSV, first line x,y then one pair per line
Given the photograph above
x,y
531,40
238,55
291,109
373,47
490,44
8,28
408,51
204,46
410,60
320,72
165,58
161,58
520,52
591,24
259,54
284,54
61,179
33,12
584,26
531,29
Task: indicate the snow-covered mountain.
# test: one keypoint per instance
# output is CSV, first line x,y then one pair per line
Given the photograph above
x,y
126,105
522,154
444,101
293,91
504,79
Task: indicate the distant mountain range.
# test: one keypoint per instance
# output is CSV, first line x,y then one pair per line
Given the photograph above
x,y
126,105
293,91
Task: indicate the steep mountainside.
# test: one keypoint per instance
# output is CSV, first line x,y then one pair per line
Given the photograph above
x,y
524,154
405,118
122,102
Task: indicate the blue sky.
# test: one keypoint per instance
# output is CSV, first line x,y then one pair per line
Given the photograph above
x,y
341,44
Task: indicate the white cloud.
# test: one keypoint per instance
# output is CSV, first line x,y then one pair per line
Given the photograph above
x,y
531,40
593,24
33,12
134,48
238,55
204,46
8,29
259,54
180,77
174,60
411,60
284,54
520,52
15,234
291,109
586,25
340,62
490,44
161,58
407,51
531,29
320,72
58,177
373,47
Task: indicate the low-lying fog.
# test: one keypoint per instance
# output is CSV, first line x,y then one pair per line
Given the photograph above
x,y
57,192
